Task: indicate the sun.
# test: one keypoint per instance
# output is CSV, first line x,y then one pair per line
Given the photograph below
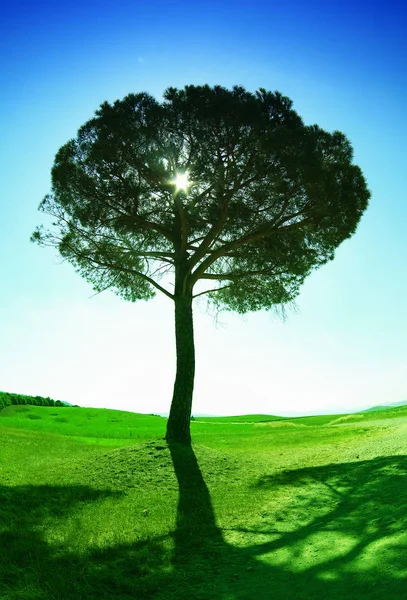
x,y
181,181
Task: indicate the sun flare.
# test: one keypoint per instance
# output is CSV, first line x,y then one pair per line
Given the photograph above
x,y
181,181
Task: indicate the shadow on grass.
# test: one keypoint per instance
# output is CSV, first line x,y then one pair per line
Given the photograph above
x,y
338,536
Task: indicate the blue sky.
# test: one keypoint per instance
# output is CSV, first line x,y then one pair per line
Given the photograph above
x,y
343,65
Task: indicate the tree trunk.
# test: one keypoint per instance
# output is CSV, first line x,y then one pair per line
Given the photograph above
x,y
178,426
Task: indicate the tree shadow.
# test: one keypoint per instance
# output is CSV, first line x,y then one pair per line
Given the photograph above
x,y
361,505
363,508
26,557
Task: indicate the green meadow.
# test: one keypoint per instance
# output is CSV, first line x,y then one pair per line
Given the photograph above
x,y
95,505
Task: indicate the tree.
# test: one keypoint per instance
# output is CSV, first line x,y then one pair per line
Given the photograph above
x,y
211,185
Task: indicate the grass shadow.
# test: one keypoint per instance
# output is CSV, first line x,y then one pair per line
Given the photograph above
x,y
364,502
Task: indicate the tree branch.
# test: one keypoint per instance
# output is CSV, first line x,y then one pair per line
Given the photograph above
x,y
209,238
147,278
184,225
223,251
234,276
160,255
121,268
263,231
214,290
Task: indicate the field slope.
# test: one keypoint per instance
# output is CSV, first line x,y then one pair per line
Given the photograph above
x,y
95,505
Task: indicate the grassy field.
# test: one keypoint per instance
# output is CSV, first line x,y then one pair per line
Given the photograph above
x,y
94,505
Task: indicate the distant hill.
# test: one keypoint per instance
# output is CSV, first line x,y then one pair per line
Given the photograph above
x,y
385,406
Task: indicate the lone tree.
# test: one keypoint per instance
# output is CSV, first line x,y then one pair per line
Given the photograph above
x,y
215,185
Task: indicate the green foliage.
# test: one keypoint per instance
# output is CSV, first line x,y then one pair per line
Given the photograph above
x,y
270,198
7,399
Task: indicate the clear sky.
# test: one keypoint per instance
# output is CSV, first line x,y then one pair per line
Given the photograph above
x,y
344,65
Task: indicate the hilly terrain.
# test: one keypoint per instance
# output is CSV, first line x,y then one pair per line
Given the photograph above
x,y
386,406
94,504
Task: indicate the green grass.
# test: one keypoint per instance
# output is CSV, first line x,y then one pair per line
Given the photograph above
x,y
239,419
95,505
97,423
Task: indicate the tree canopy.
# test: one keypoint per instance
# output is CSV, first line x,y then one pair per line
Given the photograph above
x,y
265,199
270,198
